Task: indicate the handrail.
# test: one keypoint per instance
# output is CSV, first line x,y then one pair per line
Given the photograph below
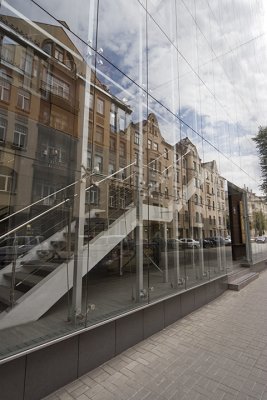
x,y
33,219
38,201
64,188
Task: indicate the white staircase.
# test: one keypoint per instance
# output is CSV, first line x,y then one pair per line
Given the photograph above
x,y
45,291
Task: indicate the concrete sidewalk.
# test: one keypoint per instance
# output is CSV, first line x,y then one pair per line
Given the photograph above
x,y
217,352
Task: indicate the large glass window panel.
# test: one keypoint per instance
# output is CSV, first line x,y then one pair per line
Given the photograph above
x,y
162,68
40,179
163,190
164,15
217,256
125,48
186,34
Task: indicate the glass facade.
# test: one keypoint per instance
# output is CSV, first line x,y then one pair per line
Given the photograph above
x,y
128,172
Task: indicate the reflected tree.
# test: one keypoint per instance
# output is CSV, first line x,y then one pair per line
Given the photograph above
x,y
259,222
261,144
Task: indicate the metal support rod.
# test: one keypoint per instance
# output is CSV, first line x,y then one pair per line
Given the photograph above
x,y
166,269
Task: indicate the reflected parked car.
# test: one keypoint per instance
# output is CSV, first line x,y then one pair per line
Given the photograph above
x,y
17,246
190,243
227,241
261,239
174,244
205,243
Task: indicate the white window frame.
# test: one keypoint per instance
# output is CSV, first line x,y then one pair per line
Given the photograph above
x,y
5,88
22,132
100,106
23,100
7,183
3,126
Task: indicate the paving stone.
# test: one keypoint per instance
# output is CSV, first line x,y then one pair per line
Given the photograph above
x,y
219,352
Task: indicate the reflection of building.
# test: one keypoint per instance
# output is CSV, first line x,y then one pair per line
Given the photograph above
x,y
58,111
214,188
257,211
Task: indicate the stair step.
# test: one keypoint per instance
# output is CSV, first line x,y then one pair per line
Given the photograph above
x,y
243,281
24,278
40,267
5,295
237,274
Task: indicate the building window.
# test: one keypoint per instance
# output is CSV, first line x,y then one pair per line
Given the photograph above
x,y
122,123
4,90
196,199
149,144
100,106
213,205
112,144
210,220
91,101
200,200
3,125
92,196
44,190
20,136
112,120
214,221
136,158
166,154
58,87
220,220
99,134
59,54
153,165
155,146
5,183
8,50
24,99
111,168
89,159
122,149
26,62
194,165
136,138
99,163
166,192
197,217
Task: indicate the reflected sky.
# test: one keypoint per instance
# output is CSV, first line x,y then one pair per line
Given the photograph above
x,y
203,64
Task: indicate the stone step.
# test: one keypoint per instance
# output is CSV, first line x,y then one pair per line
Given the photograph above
x,y
40,267
243,281
232,276
23,278
5,295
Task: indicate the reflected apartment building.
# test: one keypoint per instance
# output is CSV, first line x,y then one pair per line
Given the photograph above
x,y
103,173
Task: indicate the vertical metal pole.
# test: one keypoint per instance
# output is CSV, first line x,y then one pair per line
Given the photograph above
x,y
121,257
166,269
13,278
139,181
79,202
247,230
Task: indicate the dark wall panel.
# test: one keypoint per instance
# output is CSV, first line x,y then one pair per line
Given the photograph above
x,y
51,368
187,302
211,291
96,347
153,319
129,331
12,376
200,296
172,310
